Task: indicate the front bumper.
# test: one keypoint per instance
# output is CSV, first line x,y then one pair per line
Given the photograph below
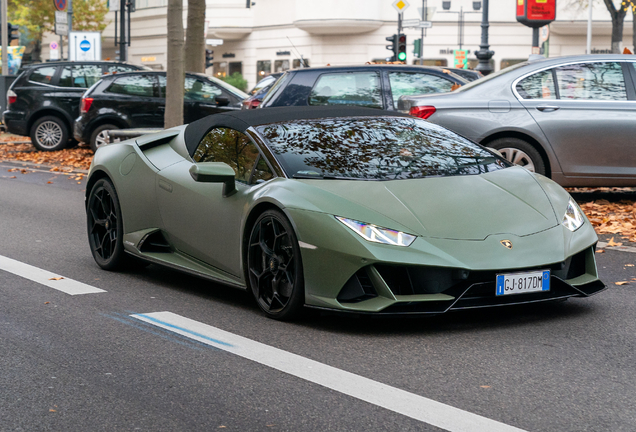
x,y
346,273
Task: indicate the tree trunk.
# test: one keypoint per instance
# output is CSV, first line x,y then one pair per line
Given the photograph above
x,y
195,39
618,18
175,74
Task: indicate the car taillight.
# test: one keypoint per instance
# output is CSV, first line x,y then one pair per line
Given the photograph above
x,y
11,97
85,105
422,112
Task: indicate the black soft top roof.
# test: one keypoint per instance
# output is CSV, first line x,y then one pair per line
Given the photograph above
x,y
244,119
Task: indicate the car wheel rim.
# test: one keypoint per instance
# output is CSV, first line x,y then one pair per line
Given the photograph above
x,y
48,134
517,157
102,138
271,265
103,223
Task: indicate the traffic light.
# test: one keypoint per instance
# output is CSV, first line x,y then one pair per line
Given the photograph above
x,y
417,43
209,57
393,47
400,53
13,32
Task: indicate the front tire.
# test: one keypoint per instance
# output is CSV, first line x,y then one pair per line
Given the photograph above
x,y
99,137
49,133
274,267
520,152
105,226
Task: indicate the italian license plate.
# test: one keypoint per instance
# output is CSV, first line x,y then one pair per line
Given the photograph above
x,y
519,283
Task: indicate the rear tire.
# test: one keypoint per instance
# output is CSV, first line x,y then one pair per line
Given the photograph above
x,y
99,137
49,133
520,152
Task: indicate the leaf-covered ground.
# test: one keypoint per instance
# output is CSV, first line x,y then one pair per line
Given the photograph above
x,y
612,211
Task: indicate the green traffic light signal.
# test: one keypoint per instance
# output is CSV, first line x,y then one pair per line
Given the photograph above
x,y
402,56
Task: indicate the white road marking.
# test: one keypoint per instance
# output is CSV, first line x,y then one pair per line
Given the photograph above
x,y
44,277
392,398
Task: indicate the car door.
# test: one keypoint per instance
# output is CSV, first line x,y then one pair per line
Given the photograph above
x,y
407,83
200,99
136,98
75,79
588,113
199,220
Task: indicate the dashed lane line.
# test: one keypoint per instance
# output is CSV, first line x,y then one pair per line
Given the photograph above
x,y
47,278
394,399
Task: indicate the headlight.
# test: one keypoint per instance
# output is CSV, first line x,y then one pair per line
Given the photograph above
x,y
376,234
573,218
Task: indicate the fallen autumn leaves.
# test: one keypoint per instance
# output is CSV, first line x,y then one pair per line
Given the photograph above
x,y
79,158
612,218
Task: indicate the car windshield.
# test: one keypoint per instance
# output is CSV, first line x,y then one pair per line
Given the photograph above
x,y
374,148
487,78
236,92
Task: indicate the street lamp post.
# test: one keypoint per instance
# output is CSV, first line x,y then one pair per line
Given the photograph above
x,y
484,54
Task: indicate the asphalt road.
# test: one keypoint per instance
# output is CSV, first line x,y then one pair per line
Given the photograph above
x,y
85,363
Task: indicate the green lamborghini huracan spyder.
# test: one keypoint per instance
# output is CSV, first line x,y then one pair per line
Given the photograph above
x,y
349,209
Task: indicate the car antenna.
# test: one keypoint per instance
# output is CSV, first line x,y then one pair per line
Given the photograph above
x,y
302,60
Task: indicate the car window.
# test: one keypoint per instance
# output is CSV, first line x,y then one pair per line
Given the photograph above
x,y
200,91
135,85
120,69
82,76
591,81
374,148
537,86
43,75
229,146
358,88
267,81
262,173
407,83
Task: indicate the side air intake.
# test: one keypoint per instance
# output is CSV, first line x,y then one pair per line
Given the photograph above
x,y
154,242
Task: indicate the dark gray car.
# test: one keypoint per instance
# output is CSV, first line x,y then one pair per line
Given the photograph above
x,y
570,118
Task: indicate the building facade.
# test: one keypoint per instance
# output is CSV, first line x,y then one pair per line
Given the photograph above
x,y
266,36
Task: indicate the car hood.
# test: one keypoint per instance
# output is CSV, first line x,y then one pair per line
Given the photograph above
x,y
472,207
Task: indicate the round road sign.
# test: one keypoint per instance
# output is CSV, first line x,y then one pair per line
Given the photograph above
x,y
60,4
85,45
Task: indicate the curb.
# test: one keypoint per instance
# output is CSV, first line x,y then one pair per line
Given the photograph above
x,y
41,167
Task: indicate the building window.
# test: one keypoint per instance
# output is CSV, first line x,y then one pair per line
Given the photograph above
x,y
143,4
281,65
263,68
220,69
236,67
296,63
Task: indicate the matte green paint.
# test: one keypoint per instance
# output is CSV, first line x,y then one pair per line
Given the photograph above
x,y
459,221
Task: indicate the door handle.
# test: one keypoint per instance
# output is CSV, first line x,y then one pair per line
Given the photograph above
x,y
547,108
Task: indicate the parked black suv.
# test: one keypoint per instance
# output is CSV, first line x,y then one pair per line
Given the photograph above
x,y
374,86
44,99
138,100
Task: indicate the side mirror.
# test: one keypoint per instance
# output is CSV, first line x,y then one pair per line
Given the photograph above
x,y
222,101
215,172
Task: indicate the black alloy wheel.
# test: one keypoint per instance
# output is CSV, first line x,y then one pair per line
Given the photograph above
x,y
274,266
105,227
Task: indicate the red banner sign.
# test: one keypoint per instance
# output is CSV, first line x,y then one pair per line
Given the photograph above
x,y
541,10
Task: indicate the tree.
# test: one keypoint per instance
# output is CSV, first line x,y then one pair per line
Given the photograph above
x,y
618,18
175,74
195,38
38,16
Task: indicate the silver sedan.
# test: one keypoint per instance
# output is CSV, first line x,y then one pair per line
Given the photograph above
x,y
570,118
